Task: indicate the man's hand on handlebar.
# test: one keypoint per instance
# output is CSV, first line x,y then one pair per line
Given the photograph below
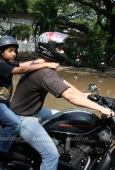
x,y
107,112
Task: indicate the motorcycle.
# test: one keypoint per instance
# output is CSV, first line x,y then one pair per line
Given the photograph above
x,y
102,65
78,61
84,141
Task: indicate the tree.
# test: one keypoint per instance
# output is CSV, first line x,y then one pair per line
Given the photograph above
x,y
46,11
13,6
56,15
95,46
105,12
21,31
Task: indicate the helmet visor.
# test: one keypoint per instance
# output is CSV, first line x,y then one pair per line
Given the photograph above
x,y
63,36
56,37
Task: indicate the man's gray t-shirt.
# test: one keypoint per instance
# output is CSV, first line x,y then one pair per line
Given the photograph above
x,y
33,88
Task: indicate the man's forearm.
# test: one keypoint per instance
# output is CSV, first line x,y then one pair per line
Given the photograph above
x,y
80,100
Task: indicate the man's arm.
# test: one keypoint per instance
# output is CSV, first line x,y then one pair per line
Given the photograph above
x,y
78,98
76,90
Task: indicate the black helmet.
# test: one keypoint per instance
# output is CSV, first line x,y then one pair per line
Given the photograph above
x,y
6,41
46,45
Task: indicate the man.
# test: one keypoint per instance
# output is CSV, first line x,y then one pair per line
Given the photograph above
x,y
32,90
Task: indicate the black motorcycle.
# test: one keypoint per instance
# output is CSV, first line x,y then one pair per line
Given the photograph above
x,y
84,141
102,65
78,61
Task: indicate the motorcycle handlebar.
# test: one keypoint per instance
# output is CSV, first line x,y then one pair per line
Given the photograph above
x,y
94,98
100,100
103,101
112,119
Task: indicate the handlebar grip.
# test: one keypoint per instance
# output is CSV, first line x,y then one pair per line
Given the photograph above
x,y
92,97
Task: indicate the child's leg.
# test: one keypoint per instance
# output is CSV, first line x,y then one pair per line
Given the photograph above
x,y
11,128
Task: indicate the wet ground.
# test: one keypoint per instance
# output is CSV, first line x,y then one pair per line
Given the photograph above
x,y
81,78
110,72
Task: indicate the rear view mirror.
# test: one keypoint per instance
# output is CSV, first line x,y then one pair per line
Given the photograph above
x,y
92,87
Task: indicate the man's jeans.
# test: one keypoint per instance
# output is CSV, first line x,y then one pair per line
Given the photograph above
x,y
34,134
11,124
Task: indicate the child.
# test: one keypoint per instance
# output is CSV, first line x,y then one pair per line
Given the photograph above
x,y
9,66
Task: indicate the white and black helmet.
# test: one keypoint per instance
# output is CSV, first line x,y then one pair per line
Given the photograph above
x,y
6,41
46,45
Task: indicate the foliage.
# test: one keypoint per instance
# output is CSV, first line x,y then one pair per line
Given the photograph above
x,y
96,45
105,15
70,48
21,31
77,13
31,5
13,6
98,16
46,11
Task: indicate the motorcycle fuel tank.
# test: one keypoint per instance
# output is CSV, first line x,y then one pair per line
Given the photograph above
x,y
73,121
